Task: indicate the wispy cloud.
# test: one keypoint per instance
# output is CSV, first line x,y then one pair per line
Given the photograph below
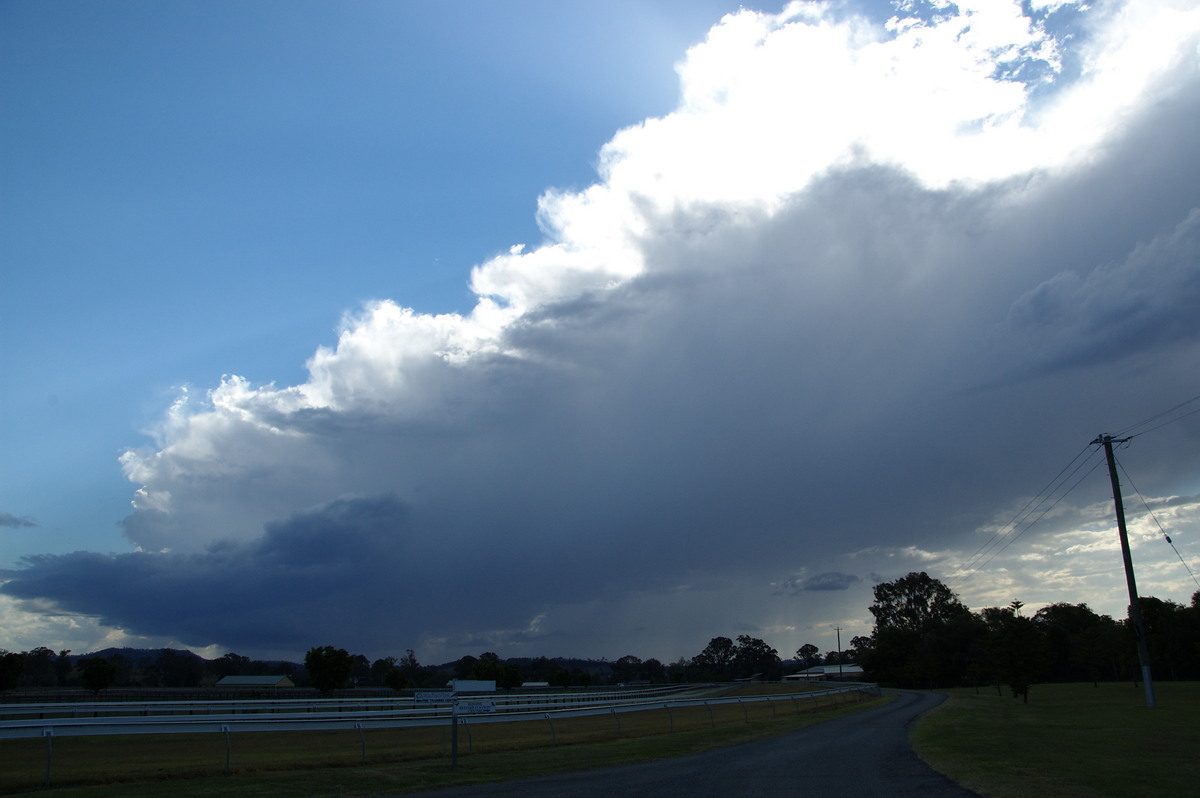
x,y
10,520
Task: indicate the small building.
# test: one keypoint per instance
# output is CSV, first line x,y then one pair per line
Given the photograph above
x,y
828,673
259,682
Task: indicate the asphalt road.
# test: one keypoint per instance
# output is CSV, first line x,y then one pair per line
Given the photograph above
x,y
862,754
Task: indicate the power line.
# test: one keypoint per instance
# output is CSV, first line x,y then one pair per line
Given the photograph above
x,y
1166,537
1001,539
1128,432
1040,516
1041,505
1171,421
1048,490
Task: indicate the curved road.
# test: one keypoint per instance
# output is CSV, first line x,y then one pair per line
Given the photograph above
x,y
863,754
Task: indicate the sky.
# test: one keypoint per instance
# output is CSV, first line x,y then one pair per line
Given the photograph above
x,y
588,329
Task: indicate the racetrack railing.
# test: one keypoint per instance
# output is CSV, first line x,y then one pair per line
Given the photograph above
x,y
51,721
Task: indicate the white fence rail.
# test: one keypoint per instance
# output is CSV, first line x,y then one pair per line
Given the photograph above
x,y
71,720
224,717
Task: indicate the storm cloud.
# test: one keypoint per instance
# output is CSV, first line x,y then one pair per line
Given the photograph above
x,y
847,304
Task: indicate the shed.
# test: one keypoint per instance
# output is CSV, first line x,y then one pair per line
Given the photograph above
x,y
255,681
828,672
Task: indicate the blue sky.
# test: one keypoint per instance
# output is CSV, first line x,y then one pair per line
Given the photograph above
x,y
198,189
300,298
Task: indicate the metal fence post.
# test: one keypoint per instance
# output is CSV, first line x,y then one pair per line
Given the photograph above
x,y
553,736
48,733
362,741
225,728
618,718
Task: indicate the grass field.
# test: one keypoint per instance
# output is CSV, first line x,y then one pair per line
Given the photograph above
x,y
310,764
1069,741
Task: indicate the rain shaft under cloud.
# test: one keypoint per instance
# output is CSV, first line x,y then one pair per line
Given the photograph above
x,y
854,297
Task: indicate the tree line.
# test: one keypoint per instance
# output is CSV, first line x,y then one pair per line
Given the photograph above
x,y
328,668
925,637
722,659
44,668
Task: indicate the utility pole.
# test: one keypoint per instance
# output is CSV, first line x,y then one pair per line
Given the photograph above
x,y
1135,606
839,634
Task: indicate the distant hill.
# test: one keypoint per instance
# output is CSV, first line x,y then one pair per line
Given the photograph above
x,y
594,667
137,657
142,657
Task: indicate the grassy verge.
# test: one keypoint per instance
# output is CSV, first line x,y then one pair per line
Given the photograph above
x,y
1070,740
312,764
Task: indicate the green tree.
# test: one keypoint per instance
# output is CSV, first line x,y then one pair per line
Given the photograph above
x,y
510,676
39,668
1169,636
409,666
97,674
540,670
715,660
1072,635
809,655
329,668
360,669
396,679
1018,648
12,665
627,669
380,669
754,657
488,667
465,667
230,664
916,602
62,667
921,636
177,669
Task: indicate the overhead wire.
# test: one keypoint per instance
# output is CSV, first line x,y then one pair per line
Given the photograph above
x,y
1128,432
1009,540
1040,504
1165,423
1166,537
1002,539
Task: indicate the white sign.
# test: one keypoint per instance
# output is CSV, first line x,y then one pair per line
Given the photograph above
x,y
475,707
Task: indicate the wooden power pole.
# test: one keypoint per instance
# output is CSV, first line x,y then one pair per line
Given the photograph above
x,y
1135,606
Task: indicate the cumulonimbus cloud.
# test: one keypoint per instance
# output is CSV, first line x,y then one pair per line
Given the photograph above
x,y
776,331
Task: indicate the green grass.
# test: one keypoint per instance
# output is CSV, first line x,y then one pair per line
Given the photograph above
x,y
1070,740
317,764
